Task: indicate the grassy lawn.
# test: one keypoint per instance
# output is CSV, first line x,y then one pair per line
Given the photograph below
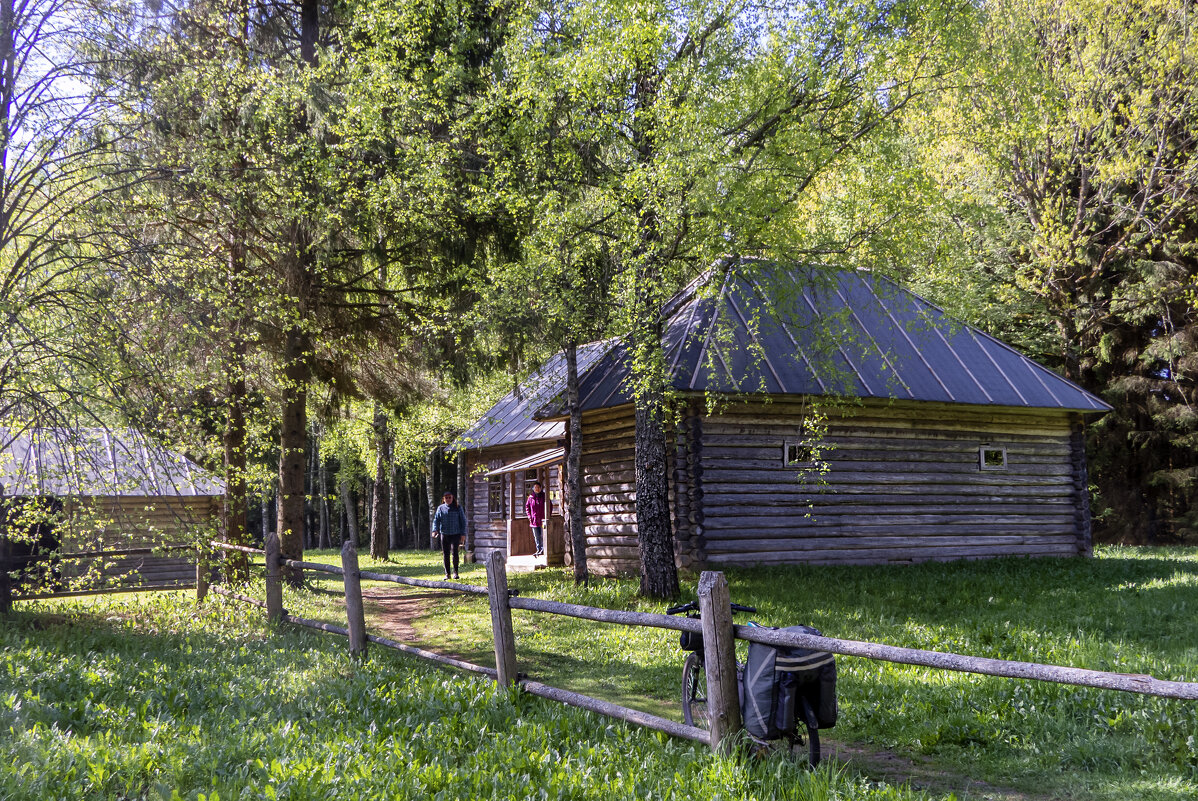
x,y
1128,610
150,697
146,696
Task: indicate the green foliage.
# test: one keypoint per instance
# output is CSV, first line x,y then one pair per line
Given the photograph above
x,y
154,698
1064,170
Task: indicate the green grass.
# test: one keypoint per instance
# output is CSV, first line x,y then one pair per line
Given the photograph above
x,y
139,697
1128,610
151,697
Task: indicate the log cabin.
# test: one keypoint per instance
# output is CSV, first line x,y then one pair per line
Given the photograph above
x,y
821,417
124,512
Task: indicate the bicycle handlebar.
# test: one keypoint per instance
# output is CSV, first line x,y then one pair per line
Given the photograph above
x,y
693,606
689,606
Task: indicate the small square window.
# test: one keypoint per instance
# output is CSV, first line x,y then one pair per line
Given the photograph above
x,y
795,452
992,457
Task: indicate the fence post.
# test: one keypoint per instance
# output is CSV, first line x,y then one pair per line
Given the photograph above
x,y
719,654
501,619
274,584
354,611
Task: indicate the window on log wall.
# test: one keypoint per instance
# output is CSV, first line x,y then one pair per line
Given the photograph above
x,y
992,457
795,452
496,503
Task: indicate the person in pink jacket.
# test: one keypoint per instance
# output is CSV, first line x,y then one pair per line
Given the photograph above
x,y
534,509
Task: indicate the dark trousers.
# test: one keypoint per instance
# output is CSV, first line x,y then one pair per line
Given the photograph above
x,y
538,537
450,542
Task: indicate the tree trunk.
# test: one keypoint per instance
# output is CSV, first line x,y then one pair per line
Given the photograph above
x,y
351,512
576,536
236,500
322,474
392,507
655,538
264,505
379,540
414,513
297,351
430,489
659,573
293,446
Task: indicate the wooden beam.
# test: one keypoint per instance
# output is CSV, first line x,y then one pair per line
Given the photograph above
x,y
611,710
719,656
274,582
236,596
440,659
501,619
1127,682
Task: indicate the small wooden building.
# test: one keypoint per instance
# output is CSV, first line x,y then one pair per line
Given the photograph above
x,y
124,512
840,420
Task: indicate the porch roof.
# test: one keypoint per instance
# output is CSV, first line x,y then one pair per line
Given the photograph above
x,y
538,459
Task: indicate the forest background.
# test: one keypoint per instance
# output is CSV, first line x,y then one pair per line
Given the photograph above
x,y
308,243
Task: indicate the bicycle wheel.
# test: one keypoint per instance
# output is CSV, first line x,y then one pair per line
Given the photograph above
x,y
812,725
694,692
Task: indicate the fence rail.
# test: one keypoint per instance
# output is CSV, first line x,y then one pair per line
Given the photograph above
x,y
715,624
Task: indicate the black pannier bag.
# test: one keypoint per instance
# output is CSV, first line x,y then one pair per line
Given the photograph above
x,y
775,679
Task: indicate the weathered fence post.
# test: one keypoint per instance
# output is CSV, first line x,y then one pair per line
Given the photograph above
x,y
719,654
274,584
501,619
355,613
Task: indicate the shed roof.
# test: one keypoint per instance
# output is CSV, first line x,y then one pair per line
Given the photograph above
x,y
96,462
812,331
512,418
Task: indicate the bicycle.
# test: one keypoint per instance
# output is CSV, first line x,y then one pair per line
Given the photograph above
x,y
694,690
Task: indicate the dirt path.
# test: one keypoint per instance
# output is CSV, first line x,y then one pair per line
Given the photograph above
x,y
398,610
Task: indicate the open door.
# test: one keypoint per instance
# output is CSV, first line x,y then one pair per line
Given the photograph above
x,y
519,477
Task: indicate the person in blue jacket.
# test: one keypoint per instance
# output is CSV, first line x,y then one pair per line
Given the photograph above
x,y
450,524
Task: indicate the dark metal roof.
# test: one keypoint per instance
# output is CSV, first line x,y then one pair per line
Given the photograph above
x,y
95,462
812,331
511,419
798,331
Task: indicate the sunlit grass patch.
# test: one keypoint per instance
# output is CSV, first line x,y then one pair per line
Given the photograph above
x,y
153,697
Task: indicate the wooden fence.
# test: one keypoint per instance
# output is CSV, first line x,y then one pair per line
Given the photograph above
x,y
715,624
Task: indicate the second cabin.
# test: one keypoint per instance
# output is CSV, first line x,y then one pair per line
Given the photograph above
x,y
822,418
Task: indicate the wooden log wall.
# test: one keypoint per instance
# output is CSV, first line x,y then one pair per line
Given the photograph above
x,y
686,489
609,491
137,522
904,486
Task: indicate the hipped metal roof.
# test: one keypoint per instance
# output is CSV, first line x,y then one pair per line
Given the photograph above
x,y
96,462
512,418
819,332
765,329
